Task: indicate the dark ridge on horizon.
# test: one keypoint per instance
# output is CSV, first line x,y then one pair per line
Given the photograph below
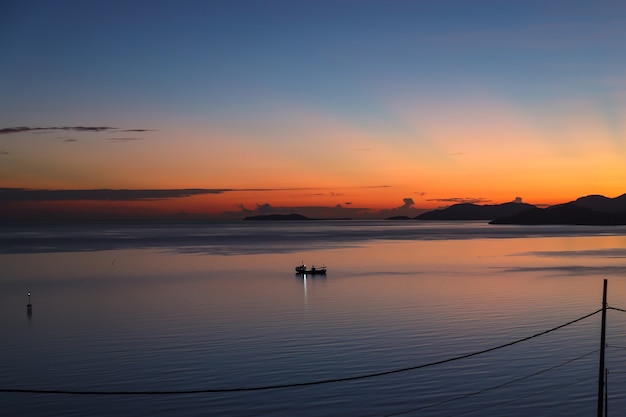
x,y
291,216
15,206
603,204
469,211
565,214
588,210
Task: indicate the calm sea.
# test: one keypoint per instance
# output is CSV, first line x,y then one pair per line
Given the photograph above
x,y
134,320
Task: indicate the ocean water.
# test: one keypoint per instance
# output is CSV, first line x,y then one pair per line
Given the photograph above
x,y
209,319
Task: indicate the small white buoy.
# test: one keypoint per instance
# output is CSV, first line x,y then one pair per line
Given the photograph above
x,y
29,306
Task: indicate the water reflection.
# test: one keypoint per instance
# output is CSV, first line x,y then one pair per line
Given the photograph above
x,y
307,281
165,319
265,237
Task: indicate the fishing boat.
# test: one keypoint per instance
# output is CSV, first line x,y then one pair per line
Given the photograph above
x,y
302,269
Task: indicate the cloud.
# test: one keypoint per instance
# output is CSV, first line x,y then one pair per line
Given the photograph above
x,y
123,139
4,152
20,129
18,195
468,200
407,209
461,200
408,203
264,208
317,212
244,209
138,130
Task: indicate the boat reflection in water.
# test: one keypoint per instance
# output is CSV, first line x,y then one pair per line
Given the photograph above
x,y
302,272
302,269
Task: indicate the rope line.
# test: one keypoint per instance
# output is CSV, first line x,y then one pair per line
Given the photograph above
x,y
296,384
615,347
615,308
504,384
553,388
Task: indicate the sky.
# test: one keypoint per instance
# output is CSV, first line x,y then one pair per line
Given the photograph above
x,y
333,109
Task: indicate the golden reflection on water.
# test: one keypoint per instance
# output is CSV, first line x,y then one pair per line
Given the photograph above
x,y
486,276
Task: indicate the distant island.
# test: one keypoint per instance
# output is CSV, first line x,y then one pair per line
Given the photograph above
x,y
588,210
292,216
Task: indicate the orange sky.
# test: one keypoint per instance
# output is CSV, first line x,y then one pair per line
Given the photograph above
x,y
387,111
333,163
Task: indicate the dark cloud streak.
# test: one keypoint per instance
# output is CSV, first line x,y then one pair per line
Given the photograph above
x,y
19,195
20,129
461,200
123,139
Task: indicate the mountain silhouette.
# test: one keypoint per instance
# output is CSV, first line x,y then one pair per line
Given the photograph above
x,y
602,203
468,211
588,210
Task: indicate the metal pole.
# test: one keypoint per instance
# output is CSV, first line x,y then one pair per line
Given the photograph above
x,y
602,346
606,393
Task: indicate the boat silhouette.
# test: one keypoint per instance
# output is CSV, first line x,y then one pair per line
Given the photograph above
x,y
302,269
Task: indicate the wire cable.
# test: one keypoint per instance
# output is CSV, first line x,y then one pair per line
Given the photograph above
x,y
615,347
471,394
617,309
553,388
295,384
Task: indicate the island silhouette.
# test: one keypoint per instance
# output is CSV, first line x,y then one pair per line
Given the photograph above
x,y
291,216
589,210
468,211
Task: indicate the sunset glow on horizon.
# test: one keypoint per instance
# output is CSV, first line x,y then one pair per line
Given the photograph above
x,y
353,109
